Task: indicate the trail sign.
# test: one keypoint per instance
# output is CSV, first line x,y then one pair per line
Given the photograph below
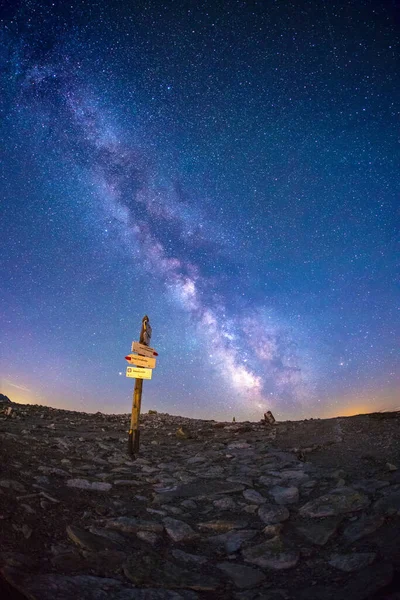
x,y
138,372
143,349
141,361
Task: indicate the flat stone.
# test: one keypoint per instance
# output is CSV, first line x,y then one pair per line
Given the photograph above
x,y
141,569
352,562
149,537
18,560
268,480
154,511
251,509
65,587
193,559
243,577
254,497
370,486
238,446
272,530
364,526
89,541
100,486
339,501
200,489
127,482
84,484
193,460
67,561
11,484
53,471
319,532
189,504
179,531
132,525
102,562
213,472
221,525
172,509
285,495
111,535
271,555
388,504
241,480
232,540
225,503
294,476
271,514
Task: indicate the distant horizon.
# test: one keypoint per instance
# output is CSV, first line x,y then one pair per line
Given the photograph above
x,y
128,412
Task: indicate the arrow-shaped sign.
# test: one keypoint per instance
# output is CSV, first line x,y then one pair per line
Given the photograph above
x,y
143,349
141,361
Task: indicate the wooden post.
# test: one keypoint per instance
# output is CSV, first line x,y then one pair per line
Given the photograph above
x,y
134,432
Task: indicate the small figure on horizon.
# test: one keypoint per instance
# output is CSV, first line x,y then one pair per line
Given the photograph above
x,y
233,420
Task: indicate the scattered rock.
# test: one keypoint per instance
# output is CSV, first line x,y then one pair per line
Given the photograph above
x,y
179,531
243,577
84,484
221,525
285,495
254,497
339,501
193,559
271,514
364,526
142,569
11,484
233,540
352,562
132,525
388,504
200,489
87,540
271,555
319,532
225,503
238,446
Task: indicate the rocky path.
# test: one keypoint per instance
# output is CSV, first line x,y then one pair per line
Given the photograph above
x,y
301,510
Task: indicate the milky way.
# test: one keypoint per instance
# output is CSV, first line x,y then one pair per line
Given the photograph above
x,y
268,222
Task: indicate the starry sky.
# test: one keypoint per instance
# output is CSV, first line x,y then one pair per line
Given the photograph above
x,y
230,169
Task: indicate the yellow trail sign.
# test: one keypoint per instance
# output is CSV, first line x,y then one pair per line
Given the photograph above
x,y
138,372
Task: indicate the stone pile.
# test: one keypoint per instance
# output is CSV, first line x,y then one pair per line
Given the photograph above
x,y
207,510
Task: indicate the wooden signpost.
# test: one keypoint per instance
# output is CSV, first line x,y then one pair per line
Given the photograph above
x,y
143,359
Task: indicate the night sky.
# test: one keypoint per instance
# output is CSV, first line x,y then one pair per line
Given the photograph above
x,y
230,169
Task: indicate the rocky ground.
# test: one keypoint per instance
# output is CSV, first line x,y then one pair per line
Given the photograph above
x,y
306,510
